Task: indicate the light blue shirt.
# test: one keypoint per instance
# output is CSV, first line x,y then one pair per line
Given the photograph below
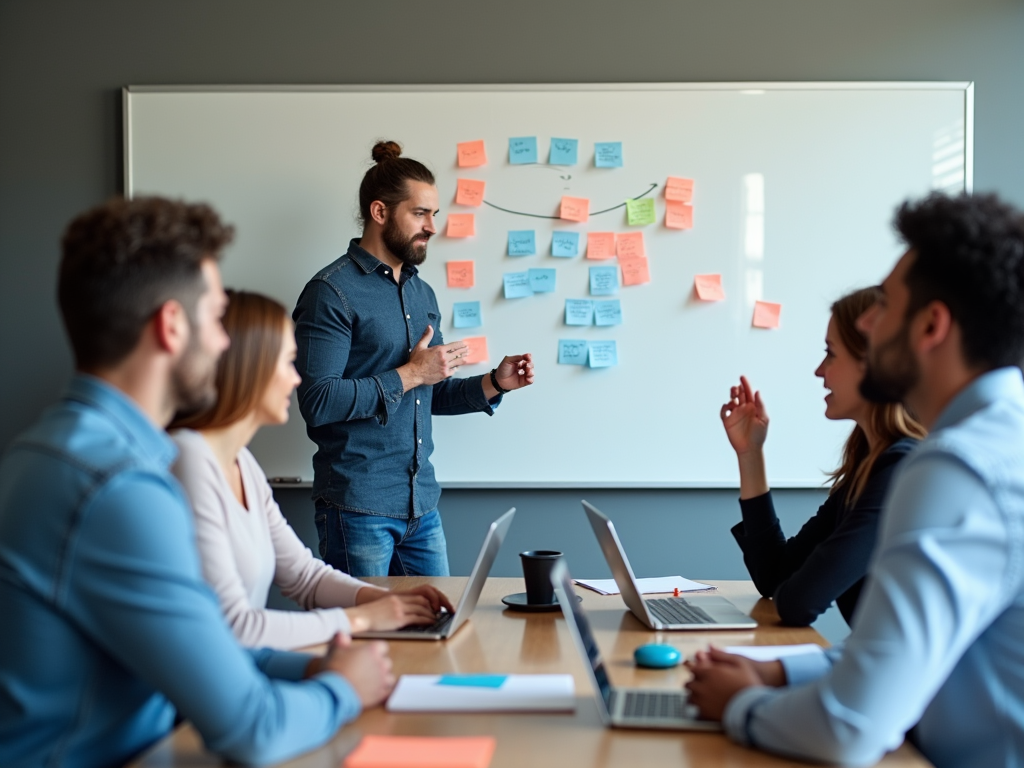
x,y
938,637
108,627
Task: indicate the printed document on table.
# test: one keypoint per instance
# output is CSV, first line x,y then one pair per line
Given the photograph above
x,y
478,693
647,586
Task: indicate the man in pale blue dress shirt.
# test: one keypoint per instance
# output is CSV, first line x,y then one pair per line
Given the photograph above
x,y
110,634
937,647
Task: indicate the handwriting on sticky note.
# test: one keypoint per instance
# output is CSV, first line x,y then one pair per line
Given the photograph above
x,y
709,287
635,271
563,152
477,350
679,190
604,281
469,192
542,280
471,154
608,154
630,245
600,245
678,215
461,224
603,354
565,244
608,312
522,150
766,314
579,312
460,274
522,242
574,208
517,285
474,681
572,352
466,314
640,212
422,752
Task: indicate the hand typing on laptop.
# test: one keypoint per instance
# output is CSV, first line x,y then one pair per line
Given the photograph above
x,y
379,609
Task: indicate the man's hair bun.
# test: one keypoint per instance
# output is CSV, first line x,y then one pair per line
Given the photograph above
x,y
386,150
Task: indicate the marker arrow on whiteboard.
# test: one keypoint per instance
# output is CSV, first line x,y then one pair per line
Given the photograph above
x,y
595,213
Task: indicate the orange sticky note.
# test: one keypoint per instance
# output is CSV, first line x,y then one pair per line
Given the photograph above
x,y
472,153
630,245
635,271
601,245
574,209
469,192
477,350
461,224
678,215
461,274
422,752
680,190
709,287
766,314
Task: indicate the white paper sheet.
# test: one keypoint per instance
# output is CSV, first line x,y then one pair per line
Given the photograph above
x,y
519,693
771,652
647,586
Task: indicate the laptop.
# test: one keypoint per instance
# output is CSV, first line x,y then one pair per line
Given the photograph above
x,y
448,624
658,708
661,613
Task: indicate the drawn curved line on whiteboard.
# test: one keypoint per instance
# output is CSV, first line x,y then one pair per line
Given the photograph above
x,y
595,213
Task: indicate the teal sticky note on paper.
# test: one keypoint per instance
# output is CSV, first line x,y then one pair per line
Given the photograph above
x,y
466,314
474,681
565,244
572,352
563,152
522,150
640,212
608,312
608,154
604,281
542,280
522,242
517,285
579,312
603,354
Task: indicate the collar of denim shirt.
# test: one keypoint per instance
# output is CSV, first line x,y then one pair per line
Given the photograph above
x,y
368,262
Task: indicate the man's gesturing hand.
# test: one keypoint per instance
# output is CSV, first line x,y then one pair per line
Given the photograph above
x,y
429,365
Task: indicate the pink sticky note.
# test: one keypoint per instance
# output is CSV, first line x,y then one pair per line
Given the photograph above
x,y
709,287
477,349
766,314
635,271
472,153
678,215
469,192
422,752
679,190
461,274
574,209
601,245
461,225
630,245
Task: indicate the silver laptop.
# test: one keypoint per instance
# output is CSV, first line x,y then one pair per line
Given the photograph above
x,y
666,708
447,624
661,613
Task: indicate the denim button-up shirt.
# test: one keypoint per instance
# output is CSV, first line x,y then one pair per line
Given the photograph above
x,y
354,326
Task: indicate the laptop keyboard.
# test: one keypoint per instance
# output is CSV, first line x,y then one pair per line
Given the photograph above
x,y
438,626
652,705
678,611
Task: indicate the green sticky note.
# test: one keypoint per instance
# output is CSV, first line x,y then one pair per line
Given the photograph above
x,y
640,212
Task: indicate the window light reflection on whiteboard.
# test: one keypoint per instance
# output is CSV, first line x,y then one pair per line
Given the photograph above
x,y
948,158
753,235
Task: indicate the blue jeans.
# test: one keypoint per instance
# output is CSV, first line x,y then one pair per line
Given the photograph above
x,y
375,545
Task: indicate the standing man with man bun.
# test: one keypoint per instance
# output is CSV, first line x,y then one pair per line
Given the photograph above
x,y
374,370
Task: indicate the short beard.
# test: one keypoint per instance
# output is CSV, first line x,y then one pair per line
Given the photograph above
x,y
404,249
194,379
891,370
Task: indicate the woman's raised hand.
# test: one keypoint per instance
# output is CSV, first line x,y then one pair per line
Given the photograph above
x,y
745,418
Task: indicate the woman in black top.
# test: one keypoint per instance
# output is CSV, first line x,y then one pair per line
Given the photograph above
x,y
828,559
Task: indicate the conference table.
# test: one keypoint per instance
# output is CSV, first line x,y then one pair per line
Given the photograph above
x,y
499,640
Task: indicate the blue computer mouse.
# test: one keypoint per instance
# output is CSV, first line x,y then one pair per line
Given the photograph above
x,y
656,656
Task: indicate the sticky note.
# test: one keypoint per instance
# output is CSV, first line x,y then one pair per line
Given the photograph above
x,y
608,312
709,287
579,312
608,154
573,352
574,209
630,245
635,271
640,212
461,224
680,190
471,153
604,281
601,245
517,285
603,354
766,314
466,314
422,752
469,192
460,274
474,681
522,242
563,152
678,215
542,280
565,244
477,350
522,150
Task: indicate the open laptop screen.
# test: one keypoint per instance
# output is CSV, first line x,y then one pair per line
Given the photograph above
x,y
583,630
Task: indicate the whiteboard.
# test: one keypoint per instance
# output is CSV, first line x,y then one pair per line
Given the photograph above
x,y
795,187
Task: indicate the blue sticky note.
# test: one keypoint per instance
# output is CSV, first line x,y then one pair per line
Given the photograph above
x,y
474,681
603,354
565,244
523,150
542,280
522,242
608,154
466,314
579,312
517,285
563,152
604,281
572,352
607,312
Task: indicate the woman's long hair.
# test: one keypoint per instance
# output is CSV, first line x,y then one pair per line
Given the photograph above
x,y
890,421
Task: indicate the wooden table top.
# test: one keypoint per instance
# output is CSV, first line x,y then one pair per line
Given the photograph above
x,y
498,640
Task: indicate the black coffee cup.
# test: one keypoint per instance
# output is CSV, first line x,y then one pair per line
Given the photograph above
x,y
537,567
